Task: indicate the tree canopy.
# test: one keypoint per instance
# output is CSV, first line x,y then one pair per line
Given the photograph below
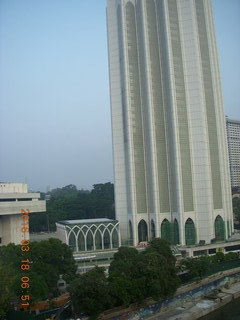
x,y
236,208
70,203
135,276
7,280
90,292
197,267
46,261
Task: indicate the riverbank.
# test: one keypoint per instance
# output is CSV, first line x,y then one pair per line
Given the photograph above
x,y
196,310
191,301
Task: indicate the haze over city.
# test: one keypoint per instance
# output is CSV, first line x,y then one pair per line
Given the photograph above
x,y
55,124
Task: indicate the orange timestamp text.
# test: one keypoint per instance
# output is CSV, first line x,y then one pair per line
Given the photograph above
x,y
25,263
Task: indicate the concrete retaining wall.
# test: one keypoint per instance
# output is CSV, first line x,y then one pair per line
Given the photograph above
x,y
184,295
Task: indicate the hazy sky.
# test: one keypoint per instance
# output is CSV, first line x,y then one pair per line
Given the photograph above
x,y
55,125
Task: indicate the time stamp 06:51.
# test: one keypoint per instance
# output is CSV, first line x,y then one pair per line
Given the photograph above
x,y
25,263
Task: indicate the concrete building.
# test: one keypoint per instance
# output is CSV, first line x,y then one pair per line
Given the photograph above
x,y
233,139
169,139
13,198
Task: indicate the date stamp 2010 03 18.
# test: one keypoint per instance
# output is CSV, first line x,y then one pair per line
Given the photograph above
x,y
25,263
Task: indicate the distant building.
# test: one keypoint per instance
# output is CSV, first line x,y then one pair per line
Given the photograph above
x,y
233,139
13,198
42,236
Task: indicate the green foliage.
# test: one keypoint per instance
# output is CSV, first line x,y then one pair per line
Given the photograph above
x,y
69,191
155,277
50,259
197,267
7,280
218,257
38,289
231,256
90,293
125,253
236,208
203,266
162,247
47,260
168,280
103,190
122,278
70,203
10,257
134,277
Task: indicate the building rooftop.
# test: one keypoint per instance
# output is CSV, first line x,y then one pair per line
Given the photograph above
x,y
9,187
236,121
86,221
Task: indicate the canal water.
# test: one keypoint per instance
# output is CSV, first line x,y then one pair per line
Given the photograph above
x,y
231,311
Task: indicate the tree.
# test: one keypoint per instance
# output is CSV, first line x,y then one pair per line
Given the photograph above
x,y
50,259
11,255
7,280
104,190
70,203
102,196
218,257
46,261
90,293
134,277
38,289
236,208
162,247
69,191
231,256
155,277
122,282
197,267
125,253
165,262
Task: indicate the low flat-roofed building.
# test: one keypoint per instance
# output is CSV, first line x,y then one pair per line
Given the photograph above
x,y
89,234
93,241
42,236
13,198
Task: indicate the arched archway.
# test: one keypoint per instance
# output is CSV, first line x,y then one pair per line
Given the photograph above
x,y
115,239
98,240
89,240
219,228
190,232
153,232
142,231
166,230
72,241
175,232
130,233
106,239
81,242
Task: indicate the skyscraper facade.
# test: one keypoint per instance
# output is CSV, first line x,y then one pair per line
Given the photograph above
x,y
233,139
169,138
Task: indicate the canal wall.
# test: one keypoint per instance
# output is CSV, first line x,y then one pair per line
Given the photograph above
x,y
191,301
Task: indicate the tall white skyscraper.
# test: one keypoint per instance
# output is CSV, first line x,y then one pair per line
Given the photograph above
x,y
169,139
